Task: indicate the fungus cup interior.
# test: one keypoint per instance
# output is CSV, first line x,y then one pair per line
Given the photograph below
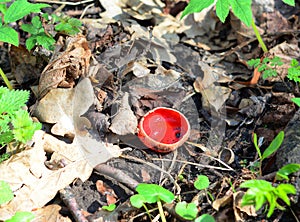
x,y
165,125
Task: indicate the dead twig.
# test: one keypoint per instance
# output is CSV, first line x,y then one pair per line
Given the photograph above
x,y
116,174
69,199
202,165
154,167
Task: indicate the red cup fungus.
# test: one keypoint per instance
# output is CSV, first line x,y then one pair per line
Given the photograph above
x,y
163,129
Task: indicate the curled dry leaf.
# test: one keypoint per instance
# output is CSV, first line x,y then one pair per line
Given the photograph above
x,y
125,122
239,210
213,94
50,213
69,62
223,201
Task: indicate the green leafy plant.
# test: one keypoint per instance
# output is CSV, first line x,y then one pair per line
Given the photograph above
x,y
294,71
16,11
38,35
15,122
267,66
241,9
296,101
286,170
294,74
272,148
66,24
186,210
260,192
202,182
110,207
7,195
205,218
62,24
151,193
189,211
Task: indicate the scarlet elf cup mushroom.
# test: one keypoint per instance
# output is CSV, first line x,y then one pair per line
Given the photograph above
x,y
163,129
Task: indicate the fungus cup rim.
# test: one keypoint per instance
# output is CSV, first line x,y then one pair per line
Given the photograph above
x,y
157,145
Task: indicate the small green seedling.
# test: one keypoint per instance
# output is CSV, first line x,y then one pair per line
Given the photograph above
x,y
205,218
189,211
294,71
151,193
202,182
38,35
294,74
267,66
186,210
260,191
66,25
272,148
62,24
15,123
110,207
285,171
7,195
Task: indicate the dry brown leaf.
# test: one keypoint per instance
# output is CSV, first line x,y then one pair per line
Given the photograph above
x,y
139,68
125,122
213,94
66,66
57,108
198,24
32,182
62,106
105,190
113,10
25,67
93,148
223,201
239,210
50,213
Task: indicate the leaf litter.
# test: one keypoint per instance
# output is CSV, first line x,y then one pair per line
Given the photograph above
x,y
131,70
